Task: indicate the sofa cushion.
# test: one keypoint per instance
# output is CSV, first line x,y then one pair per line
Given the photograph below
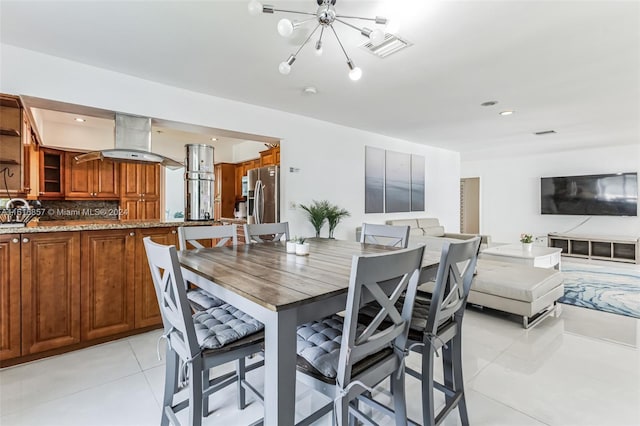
x,y
411,223
513,281
434,231
510,280
428,222
419,232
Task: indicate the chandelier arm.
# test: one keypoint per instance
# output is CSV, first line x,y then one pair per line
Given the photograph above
x,y
293,11
307,40
340,43
321,33
359,17
350,25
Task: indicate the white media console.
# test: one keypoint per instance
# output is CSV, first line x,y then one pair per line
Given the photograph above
x,y
599,247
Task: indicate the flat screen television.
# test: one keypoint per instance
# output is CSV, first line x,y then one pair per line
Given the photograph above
x,y
613,194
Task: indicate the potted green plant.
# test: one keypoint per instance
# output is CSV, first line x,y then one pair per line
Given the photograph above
x,y
302,248
527,241
317,214
334,216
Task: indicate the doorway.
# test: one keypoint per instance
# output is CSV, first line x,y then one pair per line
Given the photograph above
x,y
470,205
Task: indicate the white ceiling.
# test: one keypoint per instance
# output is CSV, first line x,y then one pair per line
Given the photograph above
x,y
570,66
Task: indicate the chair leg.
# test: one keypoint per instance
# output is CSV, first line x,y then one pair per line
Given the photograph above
x,y
170,383
458,379
195,392
342,412
240,372
205,400
428,410
399,399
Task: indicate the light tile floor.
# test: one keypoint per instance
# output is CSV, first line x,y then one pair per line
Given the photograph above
x,y
581,368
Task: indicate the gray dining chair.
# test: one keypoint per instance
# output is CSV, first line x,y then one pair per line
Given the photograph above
x,y
345,359
388,235
436,324
261,232
198,342
195,237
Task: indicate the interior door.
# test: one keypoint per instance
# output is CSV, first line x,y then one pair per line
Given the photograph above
x,y
470,205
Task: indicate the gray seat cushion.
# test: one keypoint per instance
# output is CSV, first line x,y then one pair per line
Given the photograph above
x,y
222,325
201,300
319,344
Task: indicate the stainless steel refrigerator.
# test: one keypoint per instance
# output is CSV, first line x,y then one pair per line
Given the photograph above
x,y
264,195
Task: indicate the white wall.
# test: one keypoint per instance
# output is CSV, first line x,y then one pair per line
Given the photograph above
x,y
247,151
81,138
510,191
330,157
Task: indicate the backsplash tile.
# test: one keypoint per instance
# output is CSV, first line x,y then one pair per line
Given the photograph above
x,y
80,210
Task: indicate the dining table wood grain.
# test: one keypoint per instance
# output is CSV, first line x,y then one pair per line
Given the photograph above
x,y
283,290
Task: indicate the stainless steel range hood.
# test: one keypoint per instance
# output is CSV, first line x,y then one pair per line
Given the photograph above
x,y
132,143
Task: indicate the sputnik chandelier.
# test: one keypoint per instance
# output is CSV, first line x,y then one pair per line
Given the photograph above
x,y
324,17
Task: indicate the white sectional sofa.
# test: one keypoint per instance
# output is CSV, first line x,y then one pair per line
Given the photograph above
x,y
517,289
429,231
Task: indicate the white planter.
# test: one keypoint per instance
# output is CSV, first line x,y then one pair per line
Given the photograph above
x,y
291,246
527,246
302,249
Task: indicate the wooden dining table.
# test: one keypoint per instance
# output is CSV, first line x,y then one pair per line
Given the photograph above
x,y
282,291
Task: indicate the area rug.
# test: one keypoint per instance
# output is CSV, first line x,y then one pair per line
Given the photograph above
x,y
614,290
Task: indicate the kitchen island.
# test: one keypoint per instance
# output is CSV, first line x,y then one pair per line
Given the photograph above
x,y
69,285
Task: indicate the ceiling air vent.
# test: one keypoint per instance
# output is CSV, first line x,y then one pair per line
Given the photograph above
x,y
545,132
391,44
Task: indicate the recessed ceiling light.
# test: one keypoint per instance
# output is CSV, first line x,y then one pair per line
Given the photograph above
x,y
80,120
214,139
489,103
545,132
310,90
506,112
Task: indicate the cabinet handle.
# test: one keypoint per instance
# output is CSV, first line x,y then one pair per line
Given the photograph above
x,y
132,234
15,240
173,232
25,240
41,193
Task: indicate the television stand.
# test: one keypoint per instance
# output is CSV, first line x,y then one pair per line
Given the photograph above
x,y
597,247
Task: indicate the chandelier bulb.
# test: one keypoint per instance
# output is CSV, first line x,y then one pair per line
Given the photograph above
x,y
285,27
284,68
255,7
318,50
377,37
355,74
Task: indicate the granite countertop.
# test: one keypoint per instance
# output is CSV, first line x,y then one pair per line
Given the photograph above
x,y
97,225
233,220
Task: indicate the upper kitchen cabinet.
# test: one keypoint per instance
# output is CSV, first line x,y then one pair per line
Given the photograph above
x,y
51,174
140,191
15,134
270,157
224,190
98,179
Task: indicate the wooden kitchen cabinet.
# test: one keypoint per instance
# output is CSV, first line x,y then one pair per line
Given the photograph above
x,y
224,190
140,191
9,296
107,304
98,179
50,276
51,173
12,138
270,157
147,312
